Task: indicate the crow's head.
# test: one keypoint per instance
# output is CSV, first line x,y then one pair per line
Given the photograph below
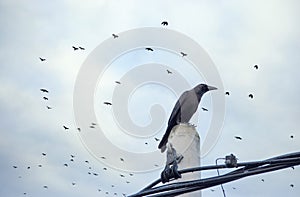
x,y
202,88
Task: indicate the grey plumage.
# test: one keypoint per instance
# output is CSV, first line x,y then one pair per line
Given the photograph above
x,y
184,109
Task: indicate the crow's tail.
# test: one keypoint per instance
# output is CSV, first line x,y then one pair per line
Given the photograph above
x,y
164,140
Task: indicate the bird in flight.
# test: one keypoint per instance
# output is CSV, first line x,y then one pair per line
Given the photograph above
x,y
66,128
44,90
183,54
238,137
42,59
107,103
44,154
164,23
227,93
118,82
75,48
255,66
81,48
184,109
45,98
115,35
48,107
251,96
149,49
204,109
156,139
169,72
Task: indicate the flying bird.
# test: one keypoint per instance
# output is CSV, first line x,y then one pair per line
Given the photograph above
x,y
93,124
92,127
122,159
156,139
118,82
107,103
42,59
75,48
44,90
184,109
227,93
204,109
44,154
149,49
103,157
48,107
45,186
183,54
66,128
15,166
169,72
45,98
292,136
115,35
78,129
66,164
238,137
72,156
40,165
250,96
255,66
81,48
164,23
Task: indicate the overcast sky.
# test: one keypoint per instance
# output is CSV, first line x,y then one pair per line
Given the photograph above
x,y
235,34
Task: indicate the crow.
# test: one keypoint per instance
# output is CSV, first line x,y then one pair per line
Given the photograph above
x,y
164,23
81,48
107,103
156,139
66,164
44,90
49,107
169,72
184,109
251,96
255,66
227,93
118,82
78,129
66,128
42,59
204,109
45,98
115,35
183,54
75,48
238,137
149,49
44,154
122,159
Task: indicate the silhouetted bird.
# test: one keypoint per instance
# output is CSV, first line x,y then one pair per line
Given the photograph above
x,y
204,109
184,109
238,137
15,166
122,159
183,54
66,165
44,90
164,23
251,96
45,186
28,167
72,156
48,107
92,127
45,98
73,183
115,35
95,174
227,93
156,139
149,49
118,82
121,175
255,66
40,165
93,124
104,168
44,154
66,128
86,161
169,72
263,180
81,48
292,185
103,157
292,136
75,48
107,103
42,59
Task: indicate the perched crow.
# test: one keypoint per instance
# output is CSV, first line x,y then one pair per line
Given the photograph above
x,y
115,35
44,90
75,48
42,59
184,109
164,23
169,72
183,54
107,103
149,49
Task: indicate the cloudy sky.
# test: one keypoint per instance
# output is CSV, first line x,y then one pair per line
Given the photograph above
x,y
235,34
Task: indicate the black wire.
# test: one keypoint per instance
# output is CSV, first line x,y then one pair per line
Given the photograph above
x,y
219,175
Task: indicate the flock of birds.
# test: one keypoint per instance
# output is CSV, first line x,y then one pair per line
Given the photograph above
x,y
72,158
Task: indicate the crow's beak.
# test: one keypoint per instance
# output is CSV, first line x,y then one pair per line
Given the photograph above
x,y
211,88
